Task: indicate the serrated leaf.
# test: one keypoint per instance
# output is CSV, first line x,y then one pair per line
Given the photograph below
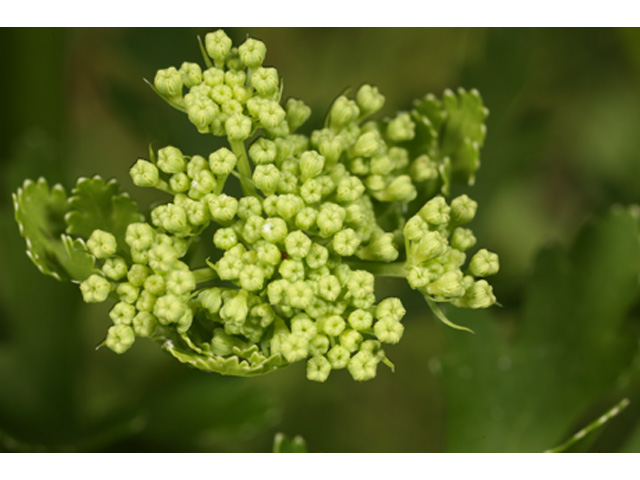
x,y
40,212
530,393
96,204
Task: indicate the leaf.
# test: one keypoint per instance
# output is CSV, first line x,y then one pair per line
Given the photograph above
x,y
284,444
40,211
96,204
567,351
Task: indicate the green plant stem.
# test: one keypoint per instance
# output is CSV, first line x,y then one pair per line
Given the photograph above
x,y
380,269
244,169
204,274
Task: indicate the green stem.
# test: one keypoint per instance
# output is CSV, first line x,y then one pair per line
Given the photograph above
x,y
244,169
204,274
381,269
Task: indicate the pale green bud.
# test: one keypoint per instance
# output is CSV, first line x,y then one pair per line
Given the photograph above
x,y
180,282
311,191
415,228
146,301
431,245
225,238
184,323
399,156
463,209
251,278
435,211
360,283
222,343
390,309
294,347
484,263
144,324
222,161
155,284
213,77
191,74
222,208
137,275
302,325
350,339
230,265
102,244
169,309
338,357
449,285
318,368
202,113
297,244
197,213
289,205
423,169
360,319
196,165
248,207
345,242
401,128
218,46
115,268
265,81
144,174
267,178
330,219
300,295
171,160
319,345
236,309
210,299
221,94
311,164
241,93
231,107
179,182
122,313
462,239
349,189
288,183
268,253
127,292
95,289
367,145
168,83
120,338
401,189
297,113
274,230
291,270
380,248
418,277
343,111
263,151
238,127
478,295
276,291
162,258
329,288
369,99
306,218
235,77
381,165
363,365
271,115
252,53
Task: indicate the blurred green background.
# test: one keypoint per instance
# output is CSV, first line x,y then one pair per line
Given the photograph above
x,y
563,147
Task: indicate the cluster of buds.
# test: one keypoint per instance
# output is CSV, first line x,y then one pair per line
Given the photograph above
x,y
291,261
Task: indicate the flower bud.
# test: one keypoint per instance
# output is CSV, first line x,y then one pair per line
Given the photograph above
x,y
267,178
478,295
435,211
102,244
462,239
201,113
343,111
484,263
363,366
345,242
367,145
271,115
401,128
252,53
388,331
338,357
265,81
144,324
369,99
218,46
95,289
401,189
238,127
213,77
263,151
449,285
381,248
274,230
115,268
330,219
139,236
311,164
360,319
318,368
225,238
222,161
171,160
120,338
297,244
329,287
298,112
463,209
122,313
137,275
390,309
423,169
144,174
191,74
251,278
168,83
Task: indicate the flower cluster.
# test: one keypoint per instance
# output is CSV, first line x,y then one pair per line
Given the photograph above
x,y
292,259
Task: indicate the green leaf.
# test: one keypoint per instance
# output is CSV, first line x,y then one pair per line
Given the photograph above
x,y
96,204
40,211
284,444
530,393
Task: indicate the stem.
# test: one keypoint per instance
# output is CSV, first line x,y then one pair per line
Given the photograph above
x,y
244,169
381,269
204,274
